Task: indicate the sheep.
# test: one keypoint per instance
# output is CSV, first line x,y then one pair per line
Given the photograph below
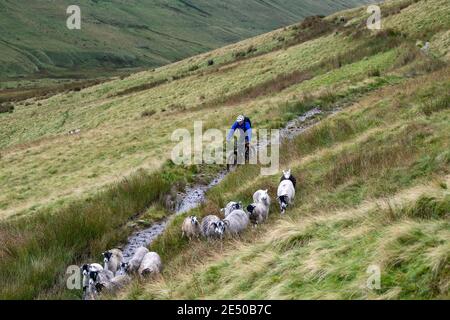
x,y
288,176
135,262
231,206
261,195
190,227
151,264
286,190
85,269
97,280
115,284
212,227
75,131
236,222
259,212
113,259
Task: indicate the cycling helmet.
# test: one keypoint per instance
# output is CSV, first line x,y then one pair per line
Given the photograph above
x,y
240,118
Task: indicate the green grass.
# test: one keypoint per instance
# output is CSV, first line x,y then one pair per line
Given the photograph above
x,y
37,249
383,157
321,259
115,35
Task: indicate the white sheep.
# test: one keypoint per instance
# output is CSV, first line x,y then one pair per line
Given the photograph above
x,y
151,264
286,190
190,227
135,262
212,227
113,260
114,285
261,195
236,222
230,207
75,131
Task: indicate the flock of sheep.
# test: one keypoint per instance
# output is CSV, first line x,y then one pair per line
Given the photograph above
x,y
115,273
236,219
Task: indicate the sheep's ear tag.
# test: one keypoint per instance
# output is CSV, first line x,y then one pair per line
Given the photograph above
x,y
222,210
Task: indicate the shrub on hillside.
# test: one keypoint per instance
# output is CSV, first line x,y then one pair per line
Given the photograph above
x,y
147,113
436,104
6,108
239,54
374,72
194,68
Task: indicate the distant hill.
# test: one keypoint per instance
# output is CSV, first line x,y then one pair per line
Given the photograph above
x,y
129,34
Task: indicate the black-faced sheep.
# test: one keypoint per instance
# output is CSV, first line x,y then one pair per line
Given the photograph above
x,y
231,206
259,212
286,190
212,227
85,269
114,285
113,260
134,263
98,279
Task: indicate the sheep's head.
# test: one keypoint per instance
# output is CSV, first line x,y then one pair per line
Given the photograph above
x,y
124,267
234,205
219,228
194,220
107,256
265,195
93,275
287,173
231,206
250,208
85,269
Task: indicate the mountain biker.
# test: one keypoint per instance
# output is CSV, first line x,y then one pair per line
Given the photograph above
x,y
245,125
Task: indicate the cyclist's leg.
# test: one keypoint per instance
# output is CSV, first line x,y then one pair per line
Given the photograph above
x,y
247,150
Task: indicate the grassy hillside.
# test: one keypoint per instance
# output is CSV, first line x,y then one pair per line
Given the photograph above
x,y
129,34
373,178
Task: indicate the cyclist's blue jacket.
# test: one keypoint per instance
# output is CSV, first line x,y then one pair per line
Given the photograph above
x,y
244,127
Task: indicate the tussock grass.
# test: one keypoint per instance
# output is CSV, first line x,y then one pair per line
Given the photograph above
x,y
375,157
436,104
37,249
277,84
391,135
326,256
312,254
